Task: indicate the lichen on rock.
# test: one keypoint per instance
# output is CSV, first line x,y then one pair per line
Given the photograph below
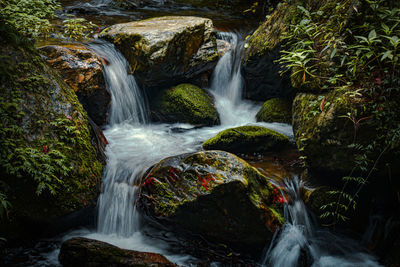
x,y
214,194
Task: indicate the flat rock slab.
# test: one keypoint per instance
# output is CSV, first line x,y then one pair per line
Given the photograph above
x,y
166,48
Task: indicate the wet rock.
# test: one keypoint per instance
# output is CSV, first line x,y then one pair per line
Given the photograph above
x,y
261,71
82,70
167,50
213,194
81,251
185,103
247,139
276,110
48,156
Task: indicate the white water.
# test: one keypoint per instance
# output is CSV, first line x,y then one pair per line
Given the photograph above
x,y
135,146
301,237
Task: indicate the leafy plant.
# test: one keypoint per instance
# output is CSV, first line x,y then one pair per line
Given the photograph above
x,y
30,17
361,57
78,28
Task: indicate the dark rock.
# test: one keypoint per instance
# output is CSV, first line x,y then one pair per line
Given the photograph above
x,y
213,194
82,70
81,251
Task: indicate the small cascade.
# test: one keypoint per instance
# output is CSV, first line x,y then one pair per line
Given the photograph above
x,y
117,214
227,85
128,103
302,242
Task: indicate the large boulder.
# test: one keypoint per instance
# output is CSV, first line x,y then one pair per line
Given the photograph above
x,y
166,50
80,251
48,159
276,110
82,70
247,139
213,194
185,103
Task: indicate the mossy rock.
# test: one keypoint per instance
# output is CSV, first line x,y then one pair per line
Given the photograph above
x,y
213,194
247,139
49,163
185,103
276,110
88,252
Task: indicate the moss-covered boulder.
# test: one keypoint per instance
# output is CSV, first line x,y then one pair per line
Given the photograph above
x,y
80,251
165,50
49,164
247,139
213,194
276,110
82,70
185,103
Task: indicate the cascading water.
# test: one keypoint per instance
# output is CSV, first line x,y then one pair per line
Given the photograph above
x,y
227,84
302,242
127,103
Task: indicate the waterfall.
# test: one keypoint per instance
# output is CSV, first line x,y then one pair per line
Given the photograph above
x,y
117,214
227,85
302,242
127,103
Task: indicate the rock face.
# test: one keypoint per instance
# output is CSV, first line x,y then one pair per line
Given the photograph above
x,y
81,251
276,110
213,194
185,103
247,139
166,50
82,70
48,160
261,72
324,135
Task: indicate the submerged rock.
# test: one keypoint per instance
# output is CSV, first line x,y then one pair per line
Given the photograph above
x,y
247,139
213,194
168,49
82,70
48,155
276,110
80,251
185,103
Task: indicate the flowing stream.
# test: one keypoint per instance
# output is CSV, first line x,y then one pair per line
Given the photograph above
x,y
135,144
302,242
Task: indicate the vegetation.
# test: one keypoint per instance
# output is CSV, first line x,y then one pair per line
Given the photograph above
x,y
29,17
78,28
358,55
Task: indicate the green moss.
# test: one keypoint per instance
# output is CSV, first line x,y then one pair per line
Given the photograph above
x,y
276,110
271,33
48,161
186,103
247,139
